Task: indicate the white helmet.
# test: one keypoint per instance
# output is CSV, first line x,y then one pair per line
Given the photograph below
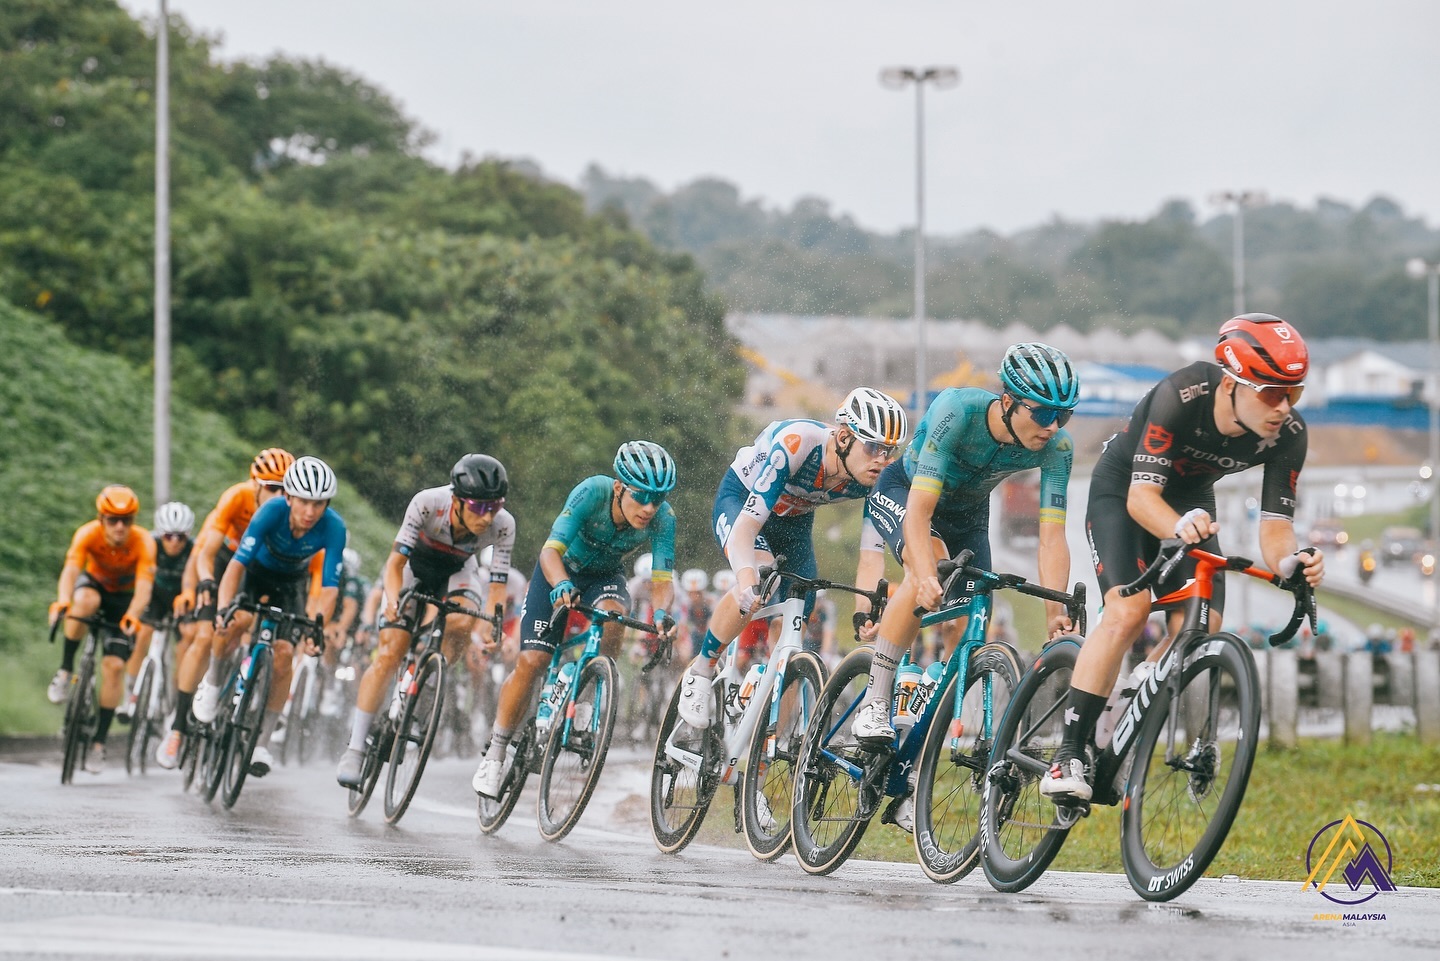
x,y
643,564
874,416
694,580
724,579
174,518
312,479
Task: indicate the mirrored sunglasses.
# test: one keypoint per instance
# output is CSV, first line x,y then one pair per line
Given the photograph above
x,y
1045,416
276,486
877,449
1272,394
112,519
647,497
483,507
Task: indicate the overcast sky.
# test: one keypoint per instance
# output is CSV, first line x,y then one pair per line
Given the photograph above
x,y
1081,110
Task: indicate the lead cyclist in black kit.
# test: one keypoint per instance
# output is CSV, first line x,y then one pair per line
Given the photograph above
x,y
1156,479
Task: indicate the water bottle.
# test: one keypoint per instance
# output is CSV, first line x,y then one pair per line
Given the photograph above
x,y
907,677
925,688
747,687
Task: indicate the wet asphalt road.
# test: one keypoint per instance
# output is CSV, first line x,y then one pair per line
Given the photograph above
x,y
130,867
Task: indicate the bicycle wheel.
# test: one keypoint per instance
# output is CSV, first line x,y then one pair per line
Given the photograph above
x,y
1021,830
838,782
493,812
950,780
768,784
142,726
215,749
288,746
245,729
415,735
378,745
190,750
1192,764
573,761
684,777
80,717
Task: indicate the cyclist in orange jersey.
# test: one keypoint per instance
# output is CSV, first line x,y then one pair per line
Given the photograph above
x,y
217,542
110,568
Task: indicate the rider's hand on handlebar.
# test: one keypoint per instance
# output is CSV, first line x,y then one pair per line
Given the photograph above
x,y
662,619
1313,561
1195,525
745,598
867,629
563,594
929,593
184,602
1060,624
57,611
130,624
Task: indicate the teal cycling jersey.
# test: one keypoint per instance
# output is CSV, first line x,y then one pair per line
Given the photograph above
x,y
954,456
589,542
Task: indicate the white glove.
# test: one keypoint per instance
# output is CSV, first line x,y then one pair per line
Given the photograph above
x,y
1190,517
745,597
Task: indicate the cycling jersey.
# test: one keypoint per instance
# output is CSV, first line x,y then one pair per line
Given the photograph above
x,y
589,541
231,515
784,471
437,550
1172,442
114,570
269,543
170,570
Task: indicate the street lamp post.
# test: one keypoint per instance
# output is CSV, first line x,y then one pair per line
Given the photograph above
x,y
897,78
1418,268
162,257
1241,199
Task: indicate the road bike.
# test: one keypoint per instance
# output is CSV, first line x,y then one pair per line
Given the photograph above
x,y
840,781
82,705
567,736
154,696
299,728
760,720
1179,758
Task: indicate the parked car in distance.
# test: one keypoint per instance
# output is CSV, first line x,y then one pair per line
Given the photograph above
x,y
1328,532
1400,545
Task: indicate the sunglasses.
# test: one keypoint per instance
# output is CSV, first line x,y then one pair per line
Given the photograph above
x,y
645,498
1045,416
877,449
276,486
1272,394
122,521
483,507
172,536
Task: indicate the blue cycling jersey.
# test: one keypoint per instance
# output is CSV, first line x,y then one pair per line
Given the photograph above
x,y
269,543
589,541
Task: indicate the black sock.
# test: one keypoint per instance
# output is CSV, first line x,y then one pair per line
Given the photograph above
x,y
1082,710
67,658
183,700
102,725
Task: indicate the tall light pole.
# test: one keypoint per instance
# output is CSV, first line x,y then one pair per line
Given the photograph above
x,y
897,78
1418,268
1241,199
162,256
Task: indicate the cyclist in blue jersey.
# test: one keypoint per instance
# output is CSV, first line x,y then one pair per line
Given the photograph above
x,y
935,502
765,507
273,565
604,519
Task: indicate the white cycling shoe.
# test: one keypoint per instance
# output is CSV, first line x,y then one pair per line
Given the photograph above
x,y
488,777
697,700
207,702
261,761
872,722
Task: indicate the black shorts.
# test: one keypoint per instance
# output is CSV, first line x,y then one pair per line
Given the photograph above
x,y
113,605
206,612
285,591
162,606
957,530
1121,549
535,615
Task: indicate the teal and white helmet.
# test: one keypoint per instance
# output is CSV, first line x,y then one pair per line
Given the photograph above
x,y
1040,373
645,466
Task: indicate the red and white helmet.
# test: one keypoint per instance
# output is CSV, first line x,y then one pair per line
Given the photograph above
x,y
1262,349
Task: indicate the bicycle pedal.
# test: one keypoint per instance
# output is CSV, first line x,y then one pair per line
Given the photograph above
x,y
1068,815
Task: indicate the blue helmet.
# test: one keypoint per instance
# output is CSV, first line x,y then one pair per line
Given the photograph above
x,y
1040,373
645,466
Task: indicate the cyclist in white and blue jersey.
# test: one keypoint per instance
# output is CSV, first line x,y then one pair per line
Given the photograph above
x,y
604,519
935,501
273,566
765,507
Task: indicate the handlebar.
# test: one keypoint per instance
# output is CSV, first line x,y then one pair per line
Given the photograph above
x,y
771,577
952,570
1173,550
446,607
286,623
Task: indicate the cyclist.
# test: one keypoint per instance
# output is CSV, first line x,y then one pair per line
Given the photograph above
x,y
273,565
696,608
173,546
765,507
604,519
110,568
219,538
935,502
444,530
1155,479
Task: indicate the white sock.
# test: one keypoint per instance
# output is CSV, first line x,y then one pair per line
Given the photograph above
x,y
360,728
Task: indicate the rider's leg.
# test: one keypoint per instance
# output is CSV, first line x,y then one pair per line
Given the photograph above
x,y
283,654
84,603
394,641
1121,622
725,625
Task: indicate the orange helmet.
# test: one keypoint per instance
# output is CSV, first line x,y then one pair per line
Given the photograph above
x,y
270,465
117,500
1262,349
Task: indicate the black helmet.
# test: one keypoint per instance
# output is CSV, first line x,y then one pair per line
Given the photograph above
x,y
479,477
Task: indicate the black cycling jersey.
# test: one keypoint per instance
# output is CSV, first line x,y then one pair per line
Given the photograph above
x,y
1172,442
170,570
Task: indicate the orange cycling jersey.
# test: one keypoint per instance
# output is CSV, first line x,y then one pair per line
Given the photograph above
x,y
115,569
232,514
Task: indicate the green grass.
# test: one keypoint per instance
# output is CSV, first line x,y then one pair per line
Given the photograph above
x,y
1291,795
75,420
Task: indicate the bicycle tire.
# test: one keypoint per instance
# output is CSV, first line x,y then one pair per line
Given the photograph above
x,y
1167,837
492,813
770,763
415,736
212,757
79,718
141,724
189,759
950,777
573,763
305,731
249,716
1021,830
378,745
830,813
681,795
291,719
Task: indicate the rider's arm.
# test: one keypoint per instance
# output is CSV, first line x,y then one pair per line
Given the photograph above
x,y
662,594
868,571
74,564
552,565
393,577
324,604
1277,541
1146,505
741,547
1053,561
144,576
229,583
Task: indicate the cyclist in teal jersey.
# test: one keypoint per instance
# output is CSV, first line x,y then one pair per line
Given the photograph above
x,y
604,519
935,501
